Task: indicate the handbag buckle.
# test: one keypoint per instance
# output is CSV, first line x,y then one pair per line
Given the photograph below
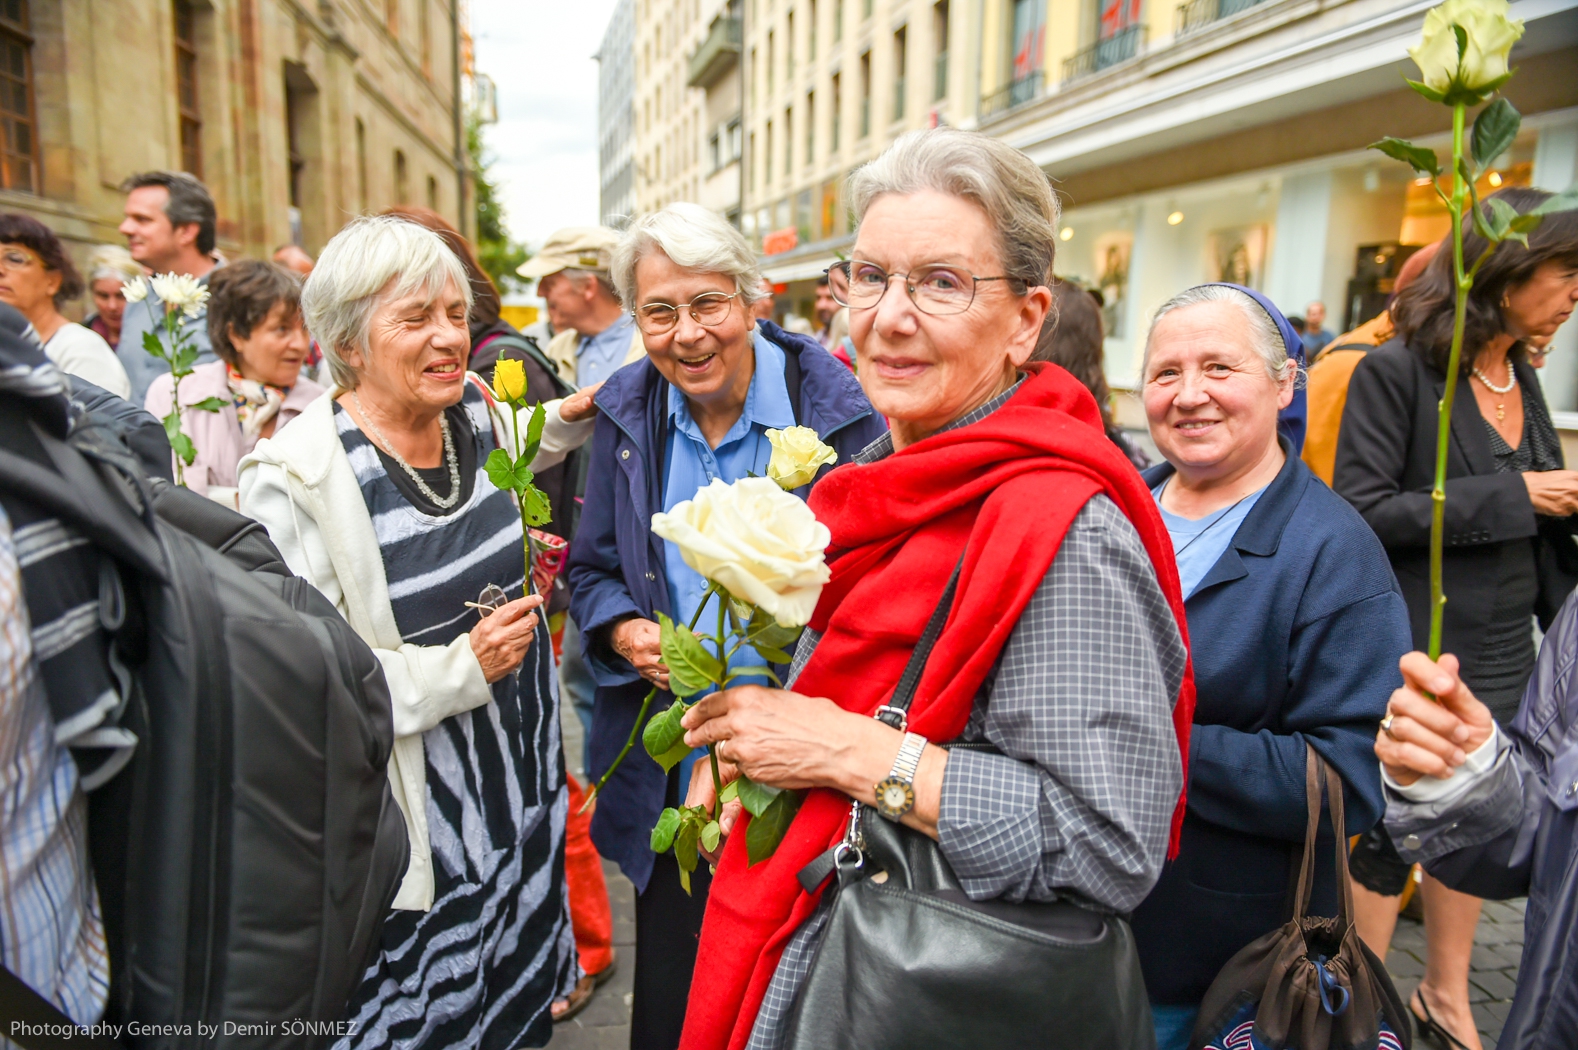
x,y
895,717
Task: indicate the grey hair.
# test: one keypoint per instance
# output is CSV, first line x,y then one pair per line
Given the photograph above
x,y
371,260
114,262
1004,183
693,237
1264,335
578,278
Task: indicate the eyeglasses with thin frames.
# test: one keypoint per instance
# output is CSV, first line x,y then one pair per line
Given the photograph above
x,y
937,289
12,259
708,309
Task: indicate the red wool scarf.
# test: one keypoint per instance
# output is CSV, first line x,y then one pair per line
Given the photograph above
x,y
1003,491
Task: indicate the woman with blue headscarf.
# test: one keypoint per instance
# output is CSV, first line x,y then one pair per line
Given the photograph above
x,y
1295,625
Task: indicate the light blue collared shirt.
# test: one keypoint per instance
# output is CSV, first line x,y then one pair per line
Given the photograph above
x,y
599,356
1199,543
693,464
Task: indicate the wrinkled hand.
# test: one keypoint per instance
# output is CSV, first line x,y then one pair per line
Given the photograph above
x,y
500,639
639,641
701,794
777,737
579,406
1553,492
1427,737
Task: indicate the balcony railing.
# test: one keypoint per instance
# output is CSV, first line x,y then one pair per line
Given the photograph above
x,y
1119,47
1197,14
1015,93
939,77
717,54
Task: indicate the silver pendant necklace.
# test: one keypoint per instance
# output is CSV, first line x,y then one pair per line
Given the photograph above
x,y
450,458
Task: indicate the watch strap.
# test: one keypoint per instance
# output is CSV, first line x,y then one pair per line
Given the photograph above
x,y
908,759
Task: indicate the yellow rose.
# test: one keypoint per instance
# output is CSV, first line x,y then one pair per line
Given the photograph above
x,y
761,544
509,380
1491,35
798,453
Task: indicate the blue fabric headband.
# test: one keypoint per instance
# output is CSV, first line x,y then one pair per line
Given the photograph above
x,y
1290,338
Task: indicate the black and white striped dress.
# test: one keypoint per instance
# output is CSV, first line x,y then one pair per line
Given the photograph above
x,y
481,968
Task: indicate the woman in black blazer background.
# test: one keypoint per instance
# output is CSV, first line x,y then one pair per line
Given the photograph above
x,y
1510,555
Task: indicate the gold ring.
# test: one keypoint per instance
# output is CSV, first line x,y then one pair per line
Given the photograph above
x,y
1386,725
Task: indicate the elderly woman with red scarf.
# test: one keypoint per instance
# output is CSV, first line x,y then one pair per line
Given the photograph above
x,y
1064,649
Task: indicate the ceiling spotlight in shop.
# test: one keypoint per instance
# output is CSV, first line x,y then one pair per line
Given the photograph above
x,y
1175,218
1066,233
1494,178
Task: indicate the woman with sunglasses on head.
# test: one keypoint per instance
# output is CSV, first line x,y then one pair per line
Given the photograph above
x,y
697,409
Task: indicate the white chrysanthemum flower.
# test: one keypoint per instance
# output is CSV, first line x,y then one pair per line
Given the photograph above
x,y
180,291
135,290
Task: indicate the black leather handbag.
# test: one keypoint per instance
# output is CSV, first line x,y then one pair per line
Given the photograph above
x,y
909,962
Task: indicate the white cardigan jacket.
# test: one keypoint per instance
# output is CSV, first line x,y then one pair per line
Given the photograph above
x,y
300,485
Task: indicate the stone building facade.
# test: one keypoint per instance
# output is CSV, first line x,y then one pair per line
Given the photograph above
x,y
297,114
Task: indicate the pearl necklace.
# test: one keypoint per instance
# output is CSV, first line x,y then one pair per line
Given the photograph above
x,y
450,458
1512,381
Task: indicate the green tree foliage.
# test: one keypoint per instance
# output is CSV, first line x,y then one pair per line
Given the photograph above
x,y
496,251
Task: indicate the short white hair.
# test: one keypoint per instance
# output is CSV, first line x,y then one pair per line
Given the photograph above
x,y
1264,335
694,238
373,259
1015,194
113,262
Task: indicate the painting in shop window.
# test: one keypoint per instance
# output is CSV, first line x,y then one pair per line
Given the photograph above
x,y
1238,255
1112,258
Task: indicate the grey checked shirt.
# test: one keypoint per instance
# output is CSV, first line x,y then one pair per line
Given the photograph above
x,y
1079,801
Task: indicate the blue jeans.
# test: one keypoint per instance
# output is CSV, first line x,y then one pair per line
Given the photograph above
x,y
1174,1025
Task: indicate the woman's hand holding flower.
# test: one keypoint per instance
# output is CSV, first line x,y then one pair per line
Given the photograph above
x,y
1436,721
500,639
639,641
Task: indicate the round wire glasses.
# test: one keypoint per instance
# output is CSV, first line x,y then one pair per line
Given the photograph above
x,y
937,289
707,309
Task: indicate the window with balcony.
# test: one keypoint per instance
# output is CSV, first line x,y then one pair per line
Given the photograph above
x,y
19,149
731,141
186,88
1119,36
1197,14
900,63
865,93
838,112
939,33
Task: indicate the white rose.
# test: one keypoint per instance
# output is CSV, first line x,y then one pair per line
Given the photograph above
x,y
135,290
1491,35
179,291
757,541
798,453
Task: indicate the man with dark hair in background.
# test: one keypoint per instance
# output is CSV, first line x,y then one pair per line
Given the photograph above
x,y
825,309
169,228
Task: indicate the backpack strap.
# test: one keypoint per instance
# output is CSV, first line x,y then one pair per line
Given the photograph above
x,y
38,1024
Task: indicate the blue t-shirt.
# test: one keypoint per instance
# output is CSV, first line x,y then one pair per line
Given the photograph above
x,y
693,465
1198,543
599,356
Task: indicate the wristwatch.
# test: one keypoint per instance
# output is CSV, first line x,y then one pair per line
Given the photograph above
x,y
896,793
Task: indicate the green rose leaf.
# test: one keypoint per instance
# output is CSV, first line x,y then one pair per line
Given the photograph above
x,y
501,470
534,502
1566,200
1494,129
1417,157
209,404
534,425
664,737
181,445
667,827
154,347
765,831
756,798
731,790
764,632
1502,216
184,358
711,835
691,668
685,850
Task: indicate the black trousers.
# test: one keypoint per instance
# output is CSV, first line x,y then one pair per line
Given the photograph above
x,y
668,929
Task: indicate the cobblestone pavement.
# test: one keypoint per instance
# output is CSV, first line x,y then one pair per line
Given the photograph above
x,y
1498,946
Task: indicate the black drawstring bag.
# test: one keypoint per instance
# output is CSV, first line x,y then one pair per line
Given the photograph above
x,y
1312,984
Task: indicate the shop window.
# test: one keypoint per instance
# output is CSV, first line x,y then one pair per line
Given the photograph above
x,y
186,88
19,150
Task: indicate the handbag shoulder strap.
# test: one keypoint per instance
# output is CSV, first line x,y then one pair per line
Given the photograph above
x,y
894,711
1318,776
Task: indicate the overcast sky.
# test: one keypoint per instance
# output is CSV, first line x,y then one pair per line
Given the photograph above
x,y
539,53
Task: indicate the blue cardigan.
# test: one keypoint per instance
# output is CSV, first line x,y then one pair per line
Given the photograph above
x,y
616,570
1295,632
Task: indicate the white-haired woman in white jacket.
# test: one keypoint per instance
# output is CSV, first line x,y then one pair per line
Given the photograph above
x,y
378,495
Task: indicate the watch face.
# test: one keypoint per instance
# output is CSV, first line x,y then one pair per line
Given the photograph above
x,y
895,798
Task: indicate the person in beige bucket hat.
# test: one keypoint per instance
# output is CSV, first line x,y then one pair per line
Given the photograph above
x,y
593,336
